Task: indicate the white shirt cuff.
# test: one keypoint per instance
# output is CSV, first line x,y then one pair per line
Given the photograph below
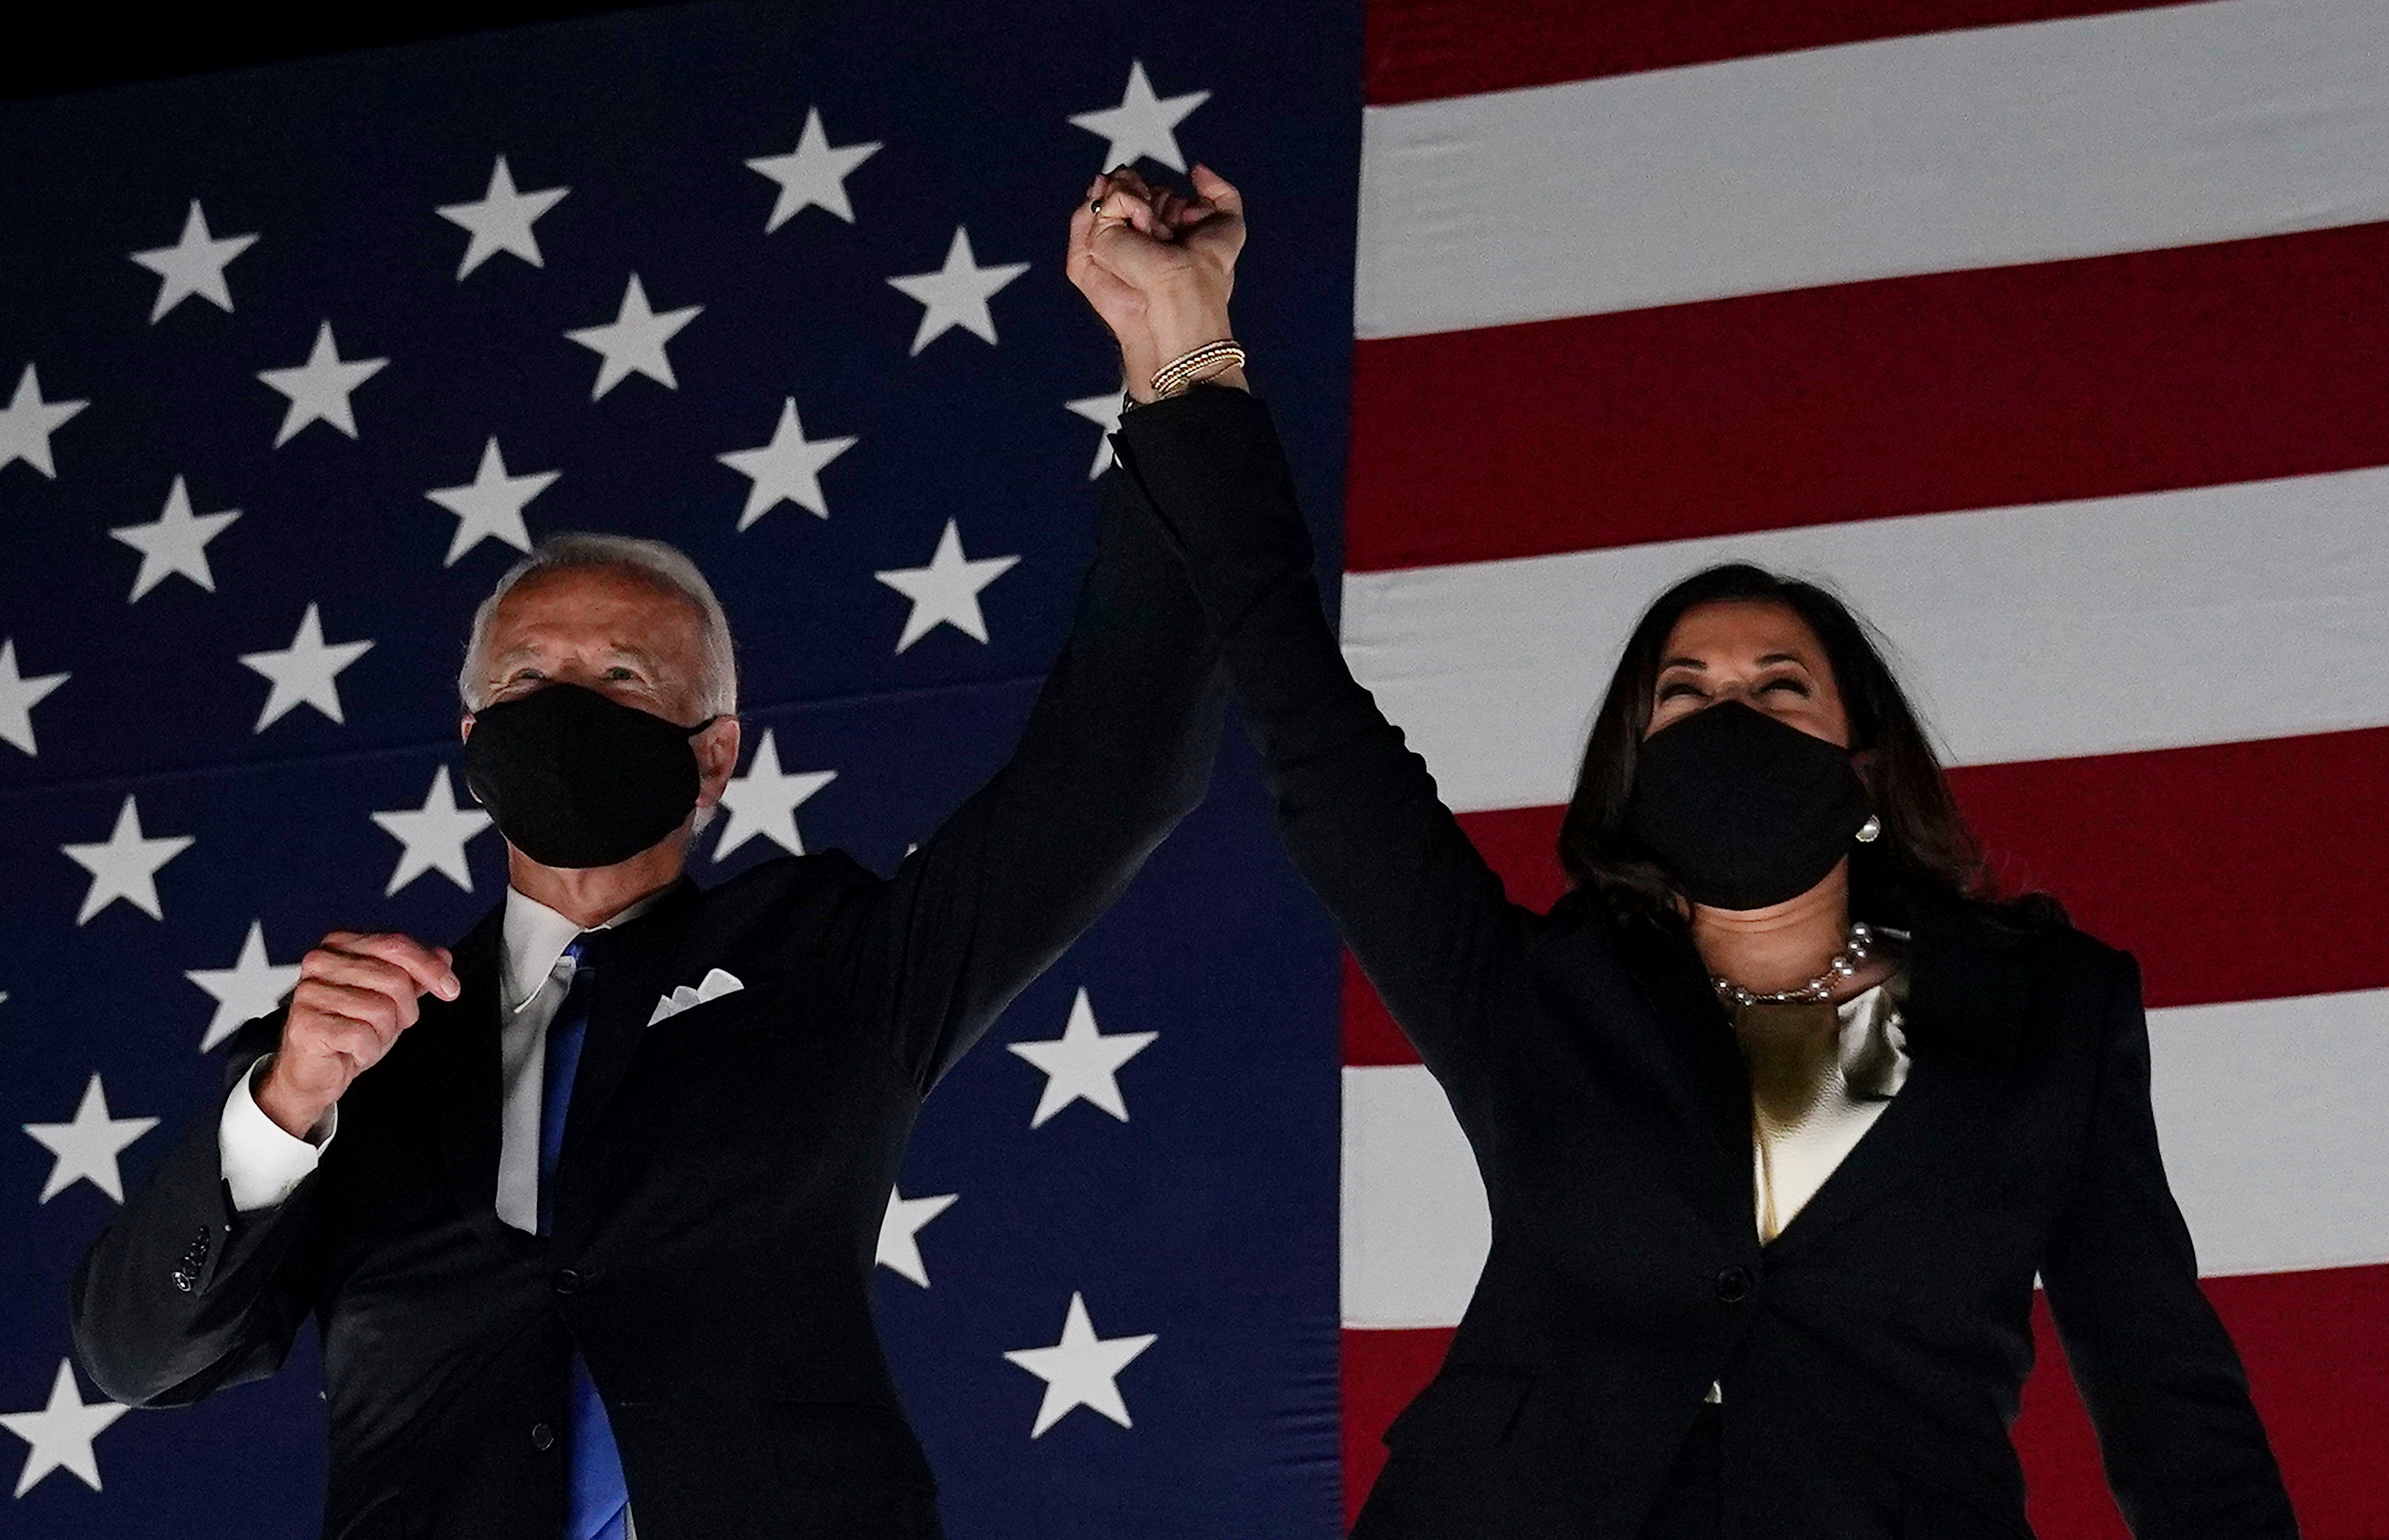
x,y
262,1164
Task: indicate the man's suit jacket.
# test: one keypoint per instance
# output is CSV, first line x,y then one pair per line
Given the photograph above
x,y
723,1173
1872,1355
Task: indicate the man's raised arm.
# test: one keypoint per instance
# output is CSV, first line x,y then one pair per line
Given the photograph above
x,y
1117,749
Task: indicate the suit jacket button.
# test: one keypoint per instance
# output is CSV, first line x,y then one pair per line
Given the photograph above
x,y
1733,1284
543,1437
566,1281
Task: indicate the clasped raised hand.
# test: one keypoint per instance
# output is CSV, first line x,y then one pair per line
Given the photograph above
x,y
1157,266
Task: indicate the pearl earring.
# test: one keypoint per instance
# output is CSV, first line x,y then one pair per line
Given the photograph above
x,y
1869,831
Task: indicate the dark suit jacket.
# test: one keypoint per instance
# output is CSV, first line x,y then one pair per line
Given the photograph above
x,y
1872,1356
723,1173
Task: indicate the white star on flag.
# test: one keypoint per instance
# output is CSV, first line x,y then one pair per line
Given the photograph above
x,y
1082,1369
252,987
27,422
956,294
946,591
19,694
435,836
787,469
304,674
126,864
900,1233
87,1147
813,175
1141,124
500,221
1104,411
61,1432
632,342
194,265
1082,1064
764,801
319,388
492,507
176,541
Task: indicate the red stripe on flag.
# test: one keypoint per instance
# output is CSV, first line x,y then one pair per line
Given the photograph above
x,y
2313,1343
1414,50
2146,372
2210,865
2235,871
1382,1371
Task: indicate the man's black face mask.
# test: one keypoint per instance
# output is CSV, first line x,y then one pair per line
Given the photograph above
x,y
576,778
1744,811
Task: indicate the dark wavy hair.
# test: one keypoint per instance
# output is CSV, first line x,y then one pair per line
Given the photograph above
x,y
1925,844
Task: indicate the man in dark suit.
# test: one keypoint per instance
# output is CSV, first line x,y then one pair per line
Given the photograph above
x,y
586,1211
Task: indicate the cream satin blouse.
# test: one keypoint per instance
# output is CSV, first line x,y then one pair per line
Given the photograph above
x,y
1820,1076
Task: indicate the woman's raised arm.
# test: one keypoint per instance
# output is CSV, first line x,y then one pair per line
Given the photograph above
x,y
1426,917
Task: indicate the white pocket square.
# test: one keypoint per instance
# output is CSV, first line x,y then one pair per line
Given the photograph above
x,y
716,984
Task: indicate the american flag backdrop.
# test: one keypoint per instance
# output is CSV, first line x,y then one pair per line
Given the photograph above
x,y
782,286
2053,332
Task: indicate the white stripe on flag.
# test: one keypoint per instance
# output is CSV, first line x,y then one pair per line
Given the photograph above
x,y
2268,1111
2271,1114
1415,1227
1981,149
2105,626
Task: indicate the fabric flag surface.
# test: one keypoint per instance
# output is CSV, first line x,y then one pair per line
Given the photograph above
x,y
2050,332
299,359
2053,333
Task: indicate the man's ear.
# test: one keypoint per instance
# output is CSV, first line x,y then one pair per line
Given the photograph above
x,y
465,728
717,759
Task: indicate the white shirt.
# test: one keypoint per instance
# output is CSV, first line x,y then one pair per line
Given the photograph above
x,y
262,1165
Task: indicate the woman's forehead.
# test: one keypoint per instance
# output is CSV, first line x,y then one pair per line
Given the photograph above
x,y
1728,631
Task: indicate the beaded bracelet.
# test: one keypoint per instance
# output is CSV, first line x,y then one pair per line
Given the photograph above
x,y
1187,368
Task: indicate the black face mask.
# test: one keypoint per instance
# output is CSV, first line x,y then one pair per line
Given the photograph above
x,y
1742,810
575,778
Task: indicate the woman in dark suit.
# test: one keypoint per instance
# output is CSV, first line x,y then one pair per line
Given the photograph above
x,y
1778,1115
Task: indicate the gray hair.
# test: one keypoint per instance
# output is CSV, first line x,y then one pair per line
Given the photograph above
x,y
652,560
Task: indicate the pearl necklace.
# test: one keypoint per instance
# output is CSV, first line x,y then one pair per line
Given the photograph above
x,y
1847,962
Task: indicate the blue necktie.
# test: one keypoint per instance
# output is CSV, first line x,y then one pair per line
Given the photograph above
x,y
596,1499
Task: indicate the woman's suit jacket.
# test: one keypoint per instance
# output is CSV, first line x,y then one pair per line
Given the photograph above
x,y
1870,1357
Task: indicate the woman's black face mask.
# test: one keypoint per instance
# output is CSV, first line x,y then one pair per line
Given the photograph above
x,y
576,778
1744,811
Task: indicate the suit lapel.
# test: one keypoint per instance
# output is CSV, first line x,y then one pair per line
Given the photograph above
x,y
1968,987
1668,970
468,1069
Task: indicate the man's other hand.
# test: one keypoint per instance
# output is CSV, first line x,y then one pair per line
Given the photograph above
x,y
356,994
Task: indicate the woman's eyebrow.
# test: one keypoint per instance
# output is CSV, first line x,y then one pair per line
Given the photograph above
x,y
1694,663
1774,657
